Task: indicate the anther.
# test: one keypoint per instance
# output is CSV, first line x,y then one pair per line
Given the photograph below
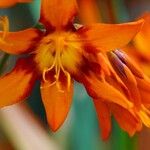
x,y
4,22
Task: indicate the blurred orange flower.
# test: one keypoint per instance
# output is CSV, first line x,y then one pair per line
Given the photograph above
x,y
9,3
61,53
139,49
142,40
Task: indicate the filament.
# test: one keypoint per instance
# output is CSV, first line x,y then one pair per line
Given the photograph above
x,y
4,23
58,67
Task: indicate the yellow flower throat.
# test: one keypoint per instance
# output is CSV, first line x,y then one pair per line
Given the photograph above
x,y
59,52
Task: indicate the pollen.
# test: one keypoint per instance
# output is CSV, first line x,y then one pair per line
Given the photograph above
x,y
58,52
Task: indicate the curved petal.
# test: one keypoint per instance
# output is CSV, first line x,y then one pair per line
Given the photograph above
x,y
17,85
9,3
106,37
57,103
99,90
126,119
19,42
104,117
58,14
142,39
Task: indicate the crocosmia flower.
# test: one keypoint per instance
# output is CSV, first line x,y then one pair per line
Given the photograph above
x,y
62,53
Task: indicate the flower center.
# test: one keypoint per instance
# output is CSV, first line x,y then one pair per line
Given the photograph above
x,y
58,52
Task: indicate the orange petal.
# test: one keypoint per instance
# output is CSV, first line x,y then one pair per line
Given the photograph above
x,y
126,119
144,115
106,37
8,3
89,11
57,103
101,89
19,42
142,39
58,14
143,84
104,118
17,85
144,89
145,97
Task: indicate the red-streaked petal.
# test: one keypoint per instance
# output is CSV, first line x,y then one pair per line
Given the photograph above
x,y
106,37
19,42
104,118
58,13
57,103
17,85
9,3
126,119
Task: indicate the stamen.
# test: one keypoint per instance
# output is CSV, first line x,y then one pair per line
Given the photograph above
x,y
57,66
4,23
44,75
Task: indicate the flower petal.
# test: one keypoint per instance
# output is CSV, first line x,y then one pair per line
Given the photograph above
x,y
99,90
19,42
126,119
89,11
144,89
58,14
104,117
142,39
9,3
106,37
17,85
57,103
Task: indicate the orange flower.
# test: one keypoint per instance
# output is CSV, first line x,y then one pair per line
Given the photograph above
x,y
62,53
125,117
8,3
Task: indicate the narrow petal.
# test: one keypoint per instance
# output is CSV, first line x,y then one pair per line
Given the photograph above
x,y
99,90
58,14
145,117
106,37
57,103
144,89
127,77
145,98
9,3
126,119
19,42
17,85
130,63
104,117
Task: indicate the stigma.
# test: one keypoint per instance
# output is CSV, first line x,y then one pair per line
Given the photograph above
x,y
58,53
